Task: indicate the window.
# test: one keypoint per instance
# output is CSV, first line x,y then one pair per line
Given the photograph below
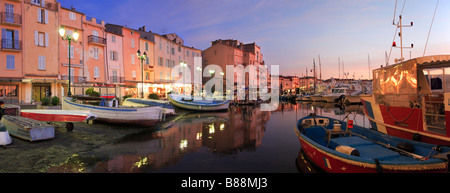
x,y
70,52
187,53
133,73
10,62
168,76
42,15
160,61
147,60
8,90
96,72
167,49
41,63
9,13
132,59
113,55
160,76
96,56
173,51
72,16
41,39
72,74
113,38
179,49
10,39
36,2
167,62
146,46
132,43
114,77
147,75
160,46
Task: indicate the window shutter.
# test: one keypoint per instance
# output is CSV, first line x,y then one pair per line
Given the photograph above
x,y
4,37
39,15
43,3
46,17
46,39
36,38
16,39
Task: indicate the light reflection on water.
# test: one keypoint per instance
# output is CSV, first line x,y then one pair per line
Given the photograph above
x,y
243,139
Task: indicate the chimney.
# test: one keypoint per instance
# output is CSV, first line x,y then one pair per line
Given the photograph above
x,y
72,8
143,28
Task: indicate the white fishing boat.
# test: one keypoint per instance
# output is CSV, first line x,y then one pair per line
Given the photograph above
x,y
188,102
28,129
136,102
5,139
125,115
335,95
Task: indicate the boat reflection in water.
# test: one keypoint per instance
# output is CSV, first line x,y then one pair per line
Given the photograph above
x,y
219,133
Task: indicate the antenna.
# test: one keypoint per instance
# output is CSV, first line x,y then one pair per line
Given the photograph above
x,y
163,31
320,69
400,34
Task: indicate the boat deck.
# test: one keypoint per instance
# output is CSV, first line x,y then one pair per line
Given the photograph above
x,y
368,149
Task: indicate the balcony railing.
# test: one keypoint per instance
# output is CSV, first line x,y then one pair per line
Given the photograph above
x,y
74,79
9,44
96,40
11,18
116,79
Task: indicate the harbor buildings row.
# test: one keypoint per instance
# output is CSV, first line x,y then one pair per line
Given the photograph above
x,y
34,59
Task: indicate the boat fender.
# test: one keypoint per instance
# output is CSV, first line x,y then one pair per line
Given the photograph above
x,y
347,150
406,147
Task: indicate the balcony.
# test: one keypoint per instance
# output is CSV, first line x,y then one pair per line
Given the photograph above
x,y
96,40
11,45
116,79
11,19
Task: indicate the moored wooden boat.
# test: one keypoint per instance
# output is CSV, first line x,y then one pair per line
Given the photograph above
x,y
136,102
123,115
186,102
333,147
28,129
5,139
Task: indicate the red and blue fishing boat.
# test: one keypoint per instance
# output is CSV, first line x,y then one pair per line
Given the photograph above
x,y
338,147
411,99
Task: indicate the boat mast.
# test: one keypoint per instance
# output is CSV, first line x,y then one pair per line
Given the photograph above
x,y
399,25
314,89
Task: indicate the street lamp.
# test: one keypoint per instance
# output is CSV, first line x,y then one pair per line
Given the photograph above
x,y
183,64
142,58
69,37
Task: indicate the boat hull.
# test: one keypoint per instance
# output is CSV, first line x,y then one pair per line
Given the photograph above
x,y
5,139
28,129
330,99
332,161
382,119
317,98
197,106
57,115
352,99
135,116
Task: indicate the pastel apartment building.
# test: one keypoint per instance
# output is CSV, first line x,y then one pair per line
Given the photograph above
x,y
11,65
41,77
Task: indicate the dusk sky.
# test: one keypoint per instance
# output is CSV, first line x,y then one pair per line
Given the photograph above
x,y
290,32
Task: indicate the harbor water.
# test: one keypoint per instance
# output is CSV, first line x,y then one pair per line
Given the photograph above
x,y
241,140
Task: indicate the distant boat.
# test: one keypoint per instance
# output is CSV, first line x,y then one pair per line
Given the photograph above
x,y
136,102
125,115
336,148
5,139
335,95
188,102
317,98
28,129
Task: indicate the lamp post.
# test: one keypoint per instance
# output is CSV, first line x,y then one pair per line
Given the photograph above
x,y
69,37
142,58
183,64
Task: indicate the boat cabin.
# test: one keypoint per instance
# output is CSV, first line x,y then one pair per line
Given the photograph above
x,y
415,90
